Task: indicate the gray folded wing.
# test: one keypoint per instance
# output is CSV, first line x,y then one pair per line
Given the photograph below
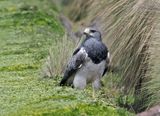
x,y
76,62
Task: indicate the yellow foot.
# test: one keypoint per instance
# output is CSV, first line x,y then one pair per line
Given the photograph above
x,y
93,94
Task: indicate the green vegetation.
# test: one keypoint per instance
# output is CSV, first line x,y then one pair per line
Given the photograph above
x,y
27,30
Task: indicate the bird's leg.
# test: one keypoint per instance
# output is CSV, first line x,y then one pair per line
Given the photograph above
x,y
95,85
79,82
93,92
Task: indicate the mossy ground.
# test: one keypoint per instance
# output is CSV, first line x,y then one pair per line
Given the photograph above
x,y
27,31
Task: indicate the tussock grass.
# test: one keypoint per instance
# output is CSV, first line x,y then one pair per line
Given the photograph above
x,y
59,54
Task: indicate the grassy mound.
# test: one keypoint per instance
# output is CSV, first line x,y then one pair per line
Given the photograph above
x,y
27,30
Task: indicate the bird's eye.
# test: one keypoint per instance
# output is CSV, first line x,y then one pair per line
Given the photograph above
x,y
93,31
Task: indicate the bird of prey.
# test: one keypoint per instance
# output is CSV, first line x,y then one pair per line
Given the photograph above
x,y
88,63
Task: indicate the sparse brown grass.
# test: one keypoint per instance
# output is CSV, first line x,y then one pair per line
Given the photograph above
x,y
58,56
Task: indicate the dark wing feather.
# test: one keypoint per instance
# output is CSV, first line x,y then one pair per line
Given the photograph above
x,y
76,51
97,51
74,64
107,64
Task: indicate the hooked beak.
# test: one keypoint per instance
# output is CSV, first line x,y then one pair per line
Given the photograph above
x,y
87,31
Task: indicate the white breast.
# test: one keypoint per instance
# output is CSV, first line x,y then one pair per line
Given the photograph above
x,y
91,71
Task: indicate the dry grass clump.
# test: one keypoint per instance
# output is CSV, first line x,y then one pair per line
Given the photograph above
x,y
58,56
152,85
128,29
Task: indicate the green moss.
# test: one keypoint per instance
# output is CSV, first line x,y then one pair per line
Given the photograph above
x,y
20,67
30,18
80,109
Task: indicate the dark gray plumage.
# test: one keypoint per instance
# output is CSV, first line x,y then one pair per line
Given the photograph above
x,y
88,63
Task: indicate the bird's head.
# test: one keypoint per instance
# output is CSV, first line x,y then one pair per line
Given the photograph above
x,y
92,32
